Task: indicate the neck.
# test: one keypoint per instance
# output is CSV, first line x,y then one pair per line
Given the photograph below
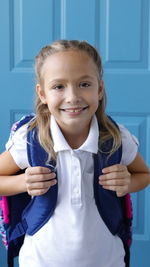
x,y
75,140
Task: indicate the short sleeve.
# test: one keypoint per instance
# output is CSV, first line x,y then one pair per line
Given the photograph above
x,y
129,146
17,146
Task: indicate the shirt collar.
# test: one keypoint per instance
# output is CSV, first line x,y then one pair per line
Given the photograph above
x,y
60,143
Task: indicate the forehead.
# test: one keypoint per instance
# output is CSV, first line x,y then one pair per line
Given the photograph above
x,y
69,62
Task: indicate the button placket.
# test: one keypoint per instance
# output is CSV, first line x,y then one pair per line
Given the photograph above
x,y
76,181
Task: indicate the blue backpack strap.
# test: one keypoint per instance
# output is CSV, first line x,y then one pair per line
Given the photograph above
x,y
41,208
107,202
111,208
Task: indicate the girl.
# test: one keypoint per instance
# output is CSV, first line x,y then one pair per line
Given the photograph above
x,y
72,126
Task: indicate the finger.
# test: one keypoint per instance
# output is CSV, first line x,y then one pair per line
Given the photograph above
x,y
114,175
37,192
115,182
41,185
40,177
114,168
37,170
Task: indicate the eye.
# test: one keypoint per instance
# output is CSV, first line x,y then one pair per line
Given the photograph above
x,y
58,87
84,84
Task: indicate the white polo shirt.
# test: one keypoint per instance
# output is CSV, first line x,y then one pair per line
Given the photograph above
x,y
75,235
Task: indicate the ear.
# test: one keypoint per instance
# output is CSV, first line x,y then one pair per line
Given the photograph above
x,y
41,93
101,90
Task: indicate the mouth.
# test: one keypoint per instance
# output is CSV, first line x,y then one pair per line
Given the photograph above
x,y
74,110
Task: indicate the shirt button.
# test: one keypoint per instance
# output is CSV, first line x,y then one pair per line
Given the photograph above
x,y
76,190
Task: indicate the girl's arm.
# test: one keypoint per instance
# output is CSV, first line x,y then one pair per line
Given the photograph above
x,y
36,180
140,175
123,180
10,184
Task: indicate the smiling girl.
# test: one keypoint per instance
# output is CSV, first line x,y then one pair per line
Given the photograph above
x,y
72,128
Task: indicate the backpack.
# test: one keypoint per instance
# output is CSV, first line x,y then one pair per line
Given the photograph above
x,y
19,214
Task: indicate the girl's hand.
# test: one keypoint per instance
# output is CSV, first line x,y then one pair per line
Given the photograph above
x,y
116,178
38,180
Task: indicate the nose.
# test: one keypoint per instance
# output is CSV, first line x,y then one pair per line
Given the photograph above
x,y
73,94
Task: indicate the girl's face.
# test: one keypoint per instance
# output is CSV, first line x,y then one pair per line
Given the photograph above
x,y
71,90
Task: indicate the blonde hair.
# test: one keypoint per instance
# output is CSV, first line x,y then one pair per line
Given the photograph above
x,y
107,129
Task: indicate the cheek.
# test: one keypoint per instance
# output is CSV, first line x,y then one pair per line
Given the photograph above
x,y
53,101
94,98
96,101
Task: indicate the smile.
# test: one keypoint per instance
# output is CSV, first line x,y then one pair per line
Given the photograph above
x,y
74,110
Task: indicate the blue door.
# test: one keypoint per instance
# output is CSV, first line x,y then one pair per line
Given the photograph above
x,y
120,31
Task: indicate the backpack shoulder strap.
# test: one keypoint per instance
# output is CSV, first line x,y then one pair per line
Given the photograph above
x,y
41,208
112,209
108,203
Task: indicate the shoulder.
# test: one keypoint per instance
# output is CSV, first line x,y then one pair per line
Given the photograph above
x,y
129,145
126,135
17,142
22,122
19,130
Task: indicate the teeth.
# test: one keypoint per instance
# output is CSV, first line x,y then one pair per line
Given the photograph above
x,y
75,110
